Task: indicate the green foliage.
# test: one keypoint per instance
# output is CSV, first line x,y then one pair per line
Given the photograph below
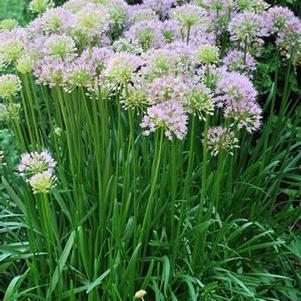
x,y
16,9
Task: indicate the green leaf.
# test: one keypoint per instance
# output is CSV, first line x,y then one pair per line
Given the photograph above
x,y
61,263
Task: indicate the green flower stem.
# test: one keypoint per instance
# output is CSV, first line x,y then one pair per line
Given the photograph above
x,y
203,194
190,158
18,130
245,49
27,121
286,90
205,159
154,179
188,34
30,99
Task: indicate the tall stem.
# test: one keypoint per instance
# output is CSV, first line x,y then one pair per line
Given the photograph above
x,y
188,34
205,159
286,91
154,178
191,158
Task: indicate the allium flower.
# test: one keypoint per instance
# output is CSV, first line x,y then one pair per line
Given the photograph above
x,y
79,74
289,40
9,111
124,45
38,168
50,72
57,132
200,101
35,163
219,13
121,66
96,57
256,6
235,88
247,28
138,14
211,75
277,17
207,54
8,25
160,62
171,31
200,35
188,15
59,46
40,6
117,11
161,7
25,64
11,50
245,114
169,116
134,97
55,20
10,85
221,139
12,45
140,294
74,6
185,55
42,182
216,5
241,62
166,88
147,34
91,21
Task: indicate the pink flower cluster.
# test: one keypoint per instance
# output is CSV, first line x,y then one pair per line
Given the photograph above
x,y
38,168
169,116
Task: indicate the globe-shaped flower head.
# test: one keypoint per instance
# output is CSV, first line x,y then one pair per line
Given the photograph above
x,y
40,6
10,85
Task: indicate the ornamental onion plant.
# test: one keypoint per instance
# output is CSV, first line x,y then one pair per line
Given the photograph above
x,y
146,154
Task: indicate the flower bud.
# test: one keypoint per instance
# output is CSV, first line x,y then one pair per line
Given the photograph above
x,y
208,54
42,182
10,85
40,6
8,24
140,294
25,64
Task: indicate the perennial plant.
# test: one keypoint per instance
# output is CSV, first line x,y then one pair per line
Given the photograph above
x,y
139,175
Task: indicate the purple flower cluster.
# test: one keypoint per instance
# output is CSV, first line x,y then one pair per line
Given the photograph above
x,y
168,116
240,61
13,44
38,169
161,7
121,67
237,96
247,29
221,139
137,15
35,162
147,34
287,28
166,88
